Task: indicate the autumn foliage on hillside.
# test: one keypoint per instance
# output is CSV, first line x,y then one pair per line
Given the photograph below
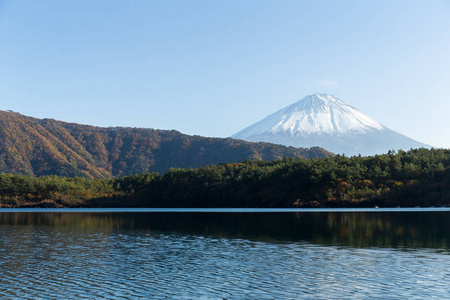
x,y
38,147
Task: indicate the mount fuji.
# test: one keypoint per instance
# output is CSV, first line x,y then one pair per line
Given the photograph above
x,y
326,121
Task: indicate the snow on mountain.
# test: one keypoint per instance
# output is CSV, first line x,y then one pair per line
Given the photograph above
x,y
326,121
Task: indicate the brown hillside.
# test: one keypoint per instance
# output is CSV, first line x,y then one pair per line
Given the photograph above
x,y
39,147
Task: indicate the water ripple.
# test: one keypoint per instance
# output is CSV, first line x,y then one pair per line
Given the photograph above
x,y
49,262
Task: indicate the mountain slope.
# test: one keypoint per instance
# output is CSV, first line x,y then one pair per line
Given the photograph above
x,y
38,147
326,121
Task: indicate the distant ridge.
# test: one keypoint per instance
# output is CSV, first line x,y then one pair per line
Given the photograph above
x,y
37,147
326,121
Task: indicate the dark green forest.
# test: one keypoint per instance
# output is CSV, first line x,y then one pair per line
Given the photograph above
x,y
418,177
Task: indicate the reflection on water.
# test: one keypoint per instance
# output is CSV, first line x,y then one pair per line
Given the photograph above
x,y
225,255
356,229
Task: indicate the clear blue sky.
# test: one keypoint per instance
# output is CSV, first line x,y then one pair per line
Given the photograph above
x,y
214,67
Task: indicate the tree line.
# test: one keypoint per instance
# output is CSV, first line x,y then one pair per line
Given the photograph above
x,y
419,177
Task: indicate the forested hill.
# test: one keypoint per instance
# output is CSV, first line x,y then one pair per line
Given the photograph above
x,y
37,147
418,177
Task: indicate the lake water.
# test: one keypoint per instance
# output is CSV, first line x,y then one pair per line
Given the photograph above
x,y
225,254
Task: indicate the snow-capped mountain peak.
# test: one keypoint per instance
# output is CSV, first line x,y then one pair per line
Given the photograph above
x,y
326,121
317,113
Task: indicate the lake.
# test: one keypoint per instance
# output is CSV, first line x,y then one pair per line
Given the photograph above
x,y
225,254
